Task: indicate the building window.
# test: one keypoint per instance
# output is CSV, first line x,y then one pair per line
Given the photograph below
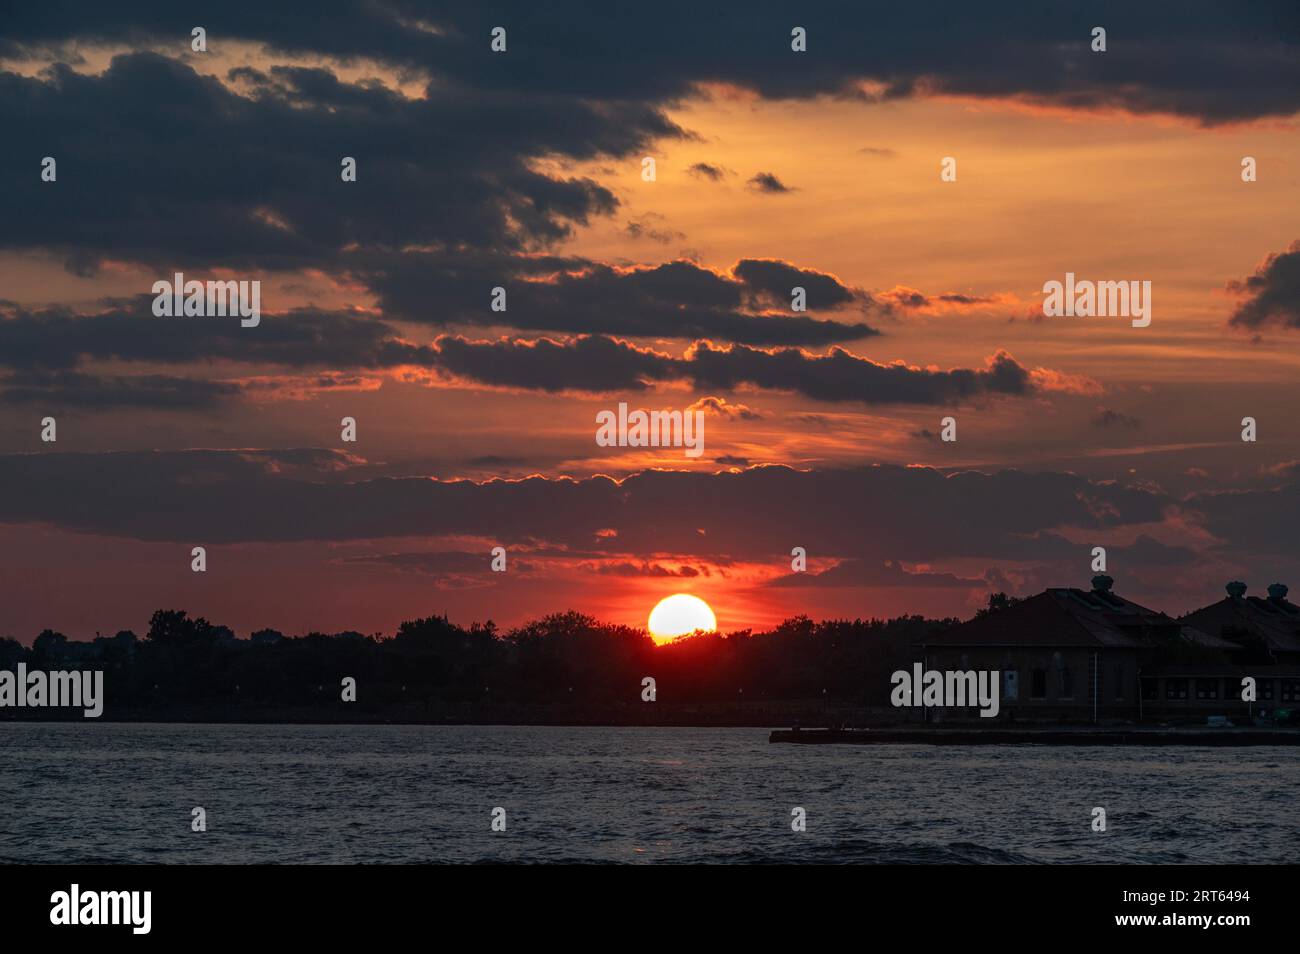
x,y
1265,687
1038,684
1231,690
1067,683
1175,688
1150,689
1291,690
1207,688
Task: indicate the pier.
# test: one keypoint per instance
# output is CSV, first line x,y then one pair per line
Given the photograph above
x,y
1028,736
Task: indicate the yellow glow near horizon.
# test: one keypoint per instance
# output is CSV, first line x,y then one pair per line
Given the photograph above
x,y
680,614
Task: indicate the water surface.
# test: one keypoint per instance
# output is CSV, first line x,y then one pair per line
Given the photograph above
x,y
103,792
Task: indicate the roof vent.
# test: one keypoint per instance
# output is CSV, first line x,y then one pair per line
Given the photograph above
x,y
1101,583
1236,589
1277,591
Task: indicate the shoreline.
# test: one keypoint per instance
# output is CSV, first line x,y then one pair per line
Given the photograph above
x,y
1059,735
1199,736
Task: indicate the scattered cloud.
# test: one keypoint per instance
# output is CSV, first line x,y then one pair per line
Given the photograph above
x,y
767,182
1272,293
1107,417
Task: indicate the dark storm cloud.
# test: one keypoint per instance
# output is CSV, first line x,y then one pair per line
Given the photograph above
x,y
678,299
1262,520
1244,54
869,520
841,376
651,570
602,364
1149,552
584,364
54,339
57,338
1273,293
873,513
160,165
72,389
163,166
775,279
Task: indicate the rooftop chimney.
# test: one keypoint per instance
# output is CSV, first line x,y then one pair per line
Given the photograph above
x,y
1236,589
1277,592
1101,583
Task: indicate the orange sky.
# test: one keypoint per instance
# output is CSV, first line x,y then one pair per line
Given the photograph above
x,y
1039,192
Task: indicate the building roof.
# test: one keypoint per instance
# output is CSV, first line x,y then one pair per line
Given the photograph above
x,y
1273,619
1064,616
1201,638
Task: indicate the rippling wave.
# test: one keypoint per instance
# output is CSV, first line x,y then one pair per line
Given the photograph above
x,y
425,794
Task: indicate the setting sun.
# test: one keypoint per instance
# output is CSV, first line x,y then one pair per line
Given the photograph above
x,y
680,614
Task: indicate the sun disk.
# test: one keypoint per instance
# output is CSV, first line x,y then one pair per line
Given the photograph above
x,y
680,614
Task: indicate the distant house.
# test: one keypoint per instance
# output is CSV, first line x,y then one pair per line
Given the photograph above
x,y
1267,630
1270,625
1073,655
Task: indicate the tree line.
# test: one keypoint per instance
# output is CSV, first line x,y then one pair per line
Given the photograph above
x,y
432,668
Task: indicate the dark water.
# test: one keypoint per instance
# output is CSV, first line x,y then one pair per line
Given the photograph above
x,y
338,794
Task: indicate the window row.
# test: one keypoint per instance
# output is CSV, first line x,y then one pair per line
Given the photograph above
x,y
1209,689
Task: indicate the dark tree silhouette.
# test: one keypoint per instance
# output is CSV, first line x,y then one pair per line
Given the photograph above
x,y
564,667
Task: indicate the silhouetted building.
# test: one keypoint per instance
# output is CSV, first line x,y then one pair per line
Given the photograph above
x,y
1090,655
1271,626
